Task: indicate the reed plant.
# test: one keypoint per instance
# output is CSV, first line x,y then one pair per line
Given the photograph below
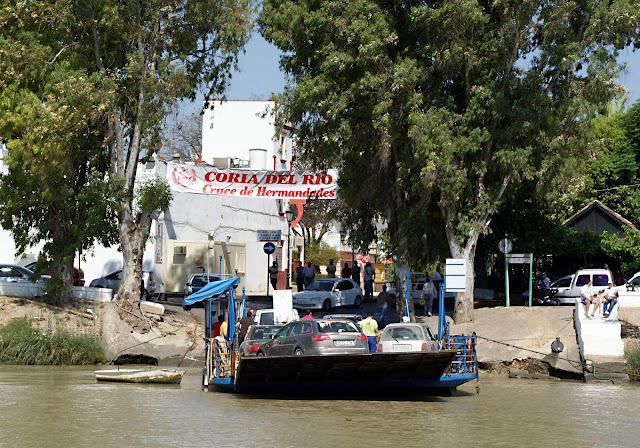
x,y
22,344
632,356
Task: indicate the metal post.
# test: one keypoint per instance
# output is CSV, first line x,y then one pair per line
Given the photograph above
x,y
288,284
506,280
530,279
268,279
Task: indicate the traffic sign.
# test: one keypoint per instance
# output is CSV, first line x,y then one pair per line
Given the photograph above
x,y
269,248
505,245
365,258
269,235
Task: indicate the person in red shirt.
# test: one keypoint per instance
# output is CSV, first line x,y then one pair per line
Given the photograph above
x,y
346,271
307,315
215,328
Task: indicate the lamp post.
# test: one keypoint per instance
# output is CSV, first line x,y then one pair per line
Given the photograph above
x,y
289,216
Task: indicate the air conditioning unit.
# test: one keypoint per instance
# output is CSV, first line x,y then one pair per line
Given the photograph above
x,y
180,250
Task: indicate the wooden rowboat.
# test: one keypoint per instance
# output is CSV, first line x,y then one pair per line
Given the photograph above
x,y
158,376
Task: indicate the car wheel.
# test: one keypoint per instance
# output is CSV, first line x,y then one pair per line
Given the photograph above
x,y
554,302
358,301
259,354
326,306
298,351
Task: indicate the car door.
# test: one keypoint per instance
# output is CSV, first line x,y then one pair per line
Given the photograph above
x,y
289,342
273,347
339,293
349,293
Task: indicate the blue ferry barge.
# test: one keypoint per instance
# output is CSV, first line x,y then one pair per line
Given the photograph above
x,y
441,371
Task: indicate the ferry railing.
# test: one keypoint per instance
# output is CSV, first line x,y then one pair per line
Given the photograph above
x,y
218,358
465,360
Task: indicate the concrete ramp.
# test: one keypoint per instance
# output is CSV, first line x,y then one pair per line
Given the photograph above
x,y
598,336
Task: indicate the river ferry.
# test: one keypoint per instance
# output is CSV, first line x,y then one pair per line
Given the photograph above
x,y
453,364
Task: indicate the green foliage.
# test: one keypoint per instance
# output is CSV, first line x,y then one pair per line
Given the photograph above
x,y
625,249
632,356
321,253
22,344
439,107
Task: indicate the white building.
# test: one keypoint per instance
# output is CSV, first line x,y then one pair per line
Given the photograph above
x,y
208,233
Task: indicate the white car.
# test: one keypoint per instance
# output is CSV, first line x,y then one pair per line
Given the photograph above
x,y
407,337
329,293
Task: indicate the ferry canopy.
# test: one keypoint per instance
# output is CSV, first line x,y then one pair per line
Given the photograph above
x,y
211,290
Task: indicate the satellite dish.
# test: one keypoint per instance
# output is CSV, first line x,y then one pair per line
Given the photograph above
x,y
505,245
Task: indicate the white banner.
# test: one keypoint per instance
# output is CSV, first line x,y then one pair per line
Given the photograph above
x,y
250,183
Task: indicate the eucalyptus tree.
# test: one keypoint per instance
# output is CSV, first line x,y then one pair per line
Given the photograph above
x,y
444,103
55,192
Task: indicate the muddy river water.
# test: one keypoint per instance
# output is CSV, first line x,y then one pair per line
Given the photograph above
x,y
66,407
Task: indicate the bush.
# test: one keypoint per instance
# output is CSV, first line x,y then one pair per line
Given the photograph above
x,y
22,344
632,355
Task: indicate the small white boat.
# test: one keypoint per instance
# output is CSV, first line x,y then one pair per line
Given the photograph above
x,y
159,376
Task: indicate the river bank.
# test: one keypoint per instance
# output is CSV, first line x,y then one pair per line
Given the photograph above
x,y
514,341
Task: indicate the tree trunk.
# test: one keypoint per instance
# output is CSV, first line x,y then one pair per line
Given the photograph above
x,y
62,262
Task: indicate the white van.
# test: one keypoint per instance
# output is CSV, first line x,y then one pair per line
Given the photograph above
x,y
267,317
568,293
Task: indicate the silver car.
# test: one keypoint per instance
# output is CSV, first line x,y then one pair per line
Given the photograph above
x,y
407,337
15,273
112,281
316,337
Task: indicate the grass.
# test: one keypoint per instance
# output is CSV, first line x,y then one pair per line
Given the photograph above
x,y
22,344
632,356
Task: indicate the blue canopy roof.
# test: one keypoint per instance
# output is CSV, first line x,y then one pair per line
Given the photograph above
x,y
211,289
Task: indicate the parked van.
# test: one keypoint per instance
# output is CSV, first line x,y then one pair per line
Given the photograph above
x,y
267,317
568,293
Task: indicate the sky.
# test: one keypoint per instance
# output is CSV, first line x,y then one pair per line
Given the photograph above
x,y
260,74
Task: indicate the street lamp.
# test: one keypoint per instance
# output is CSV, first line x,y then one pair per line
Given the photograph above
x,y
289,216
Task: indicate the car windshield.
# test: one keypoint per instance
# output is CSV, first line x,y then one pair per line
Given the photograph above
x,y
412,333
337,326
321,286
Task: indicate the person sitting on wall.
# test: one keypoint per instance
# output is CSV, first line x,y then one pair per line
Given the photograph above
x,y
610,299
588,297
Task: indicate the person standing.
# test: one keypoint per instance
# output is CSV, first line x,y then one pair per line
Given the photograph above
x,y
436,278
309,274
610,299
215,328
346,271
307,315
428,291
355,273
273,274
300,276
245,323
383,302
331,269
369,277
370,329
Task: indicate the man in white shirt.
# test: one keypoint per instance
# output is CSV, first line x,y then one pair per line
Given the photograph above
x,y
589,297
610,299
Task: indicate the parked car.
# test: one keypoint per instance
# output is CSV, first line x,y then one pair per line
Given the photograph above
x,y
256,336
198,281
268,317
329,293
569,287
15,273
407,337
633,283
112,281
418,280
78,274
316,337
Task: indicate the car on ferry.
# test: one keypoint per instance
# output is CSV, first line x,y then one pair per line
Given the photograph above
x,y
256,336
316,337
407,337
329,293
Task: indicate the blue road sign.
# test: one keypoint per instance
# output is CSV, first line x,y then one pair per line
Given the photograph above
x,y
269,248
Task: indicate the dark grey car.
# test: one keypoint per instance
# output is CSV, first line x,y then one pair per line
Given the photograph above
x,y
256,336
316,337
